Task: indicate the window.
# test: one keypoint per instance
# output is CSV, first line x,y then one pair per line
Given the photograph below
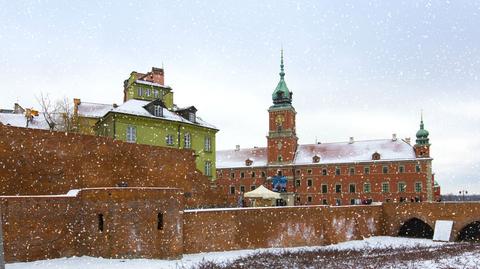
x,y
232,189
352,171
131,134
298,172
352,188
264,174
100,222
337,171
252,187
208,144
385,187
366,188
139,91
157,111
242,175
401,169
253,174
297,183
280,158
160,221
376,156
402,187
352,201
309,182
279,173
309,199
338,188
242,189
169,139
418,186
232,175
208,168
418,169
187,141
147,92
191,117
366,170
385,169
338,201
324,172
155,93
309,171
324,202
324,188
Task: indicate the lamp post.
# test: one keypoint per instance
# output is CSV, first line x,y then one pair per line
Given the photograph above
x,y
463,193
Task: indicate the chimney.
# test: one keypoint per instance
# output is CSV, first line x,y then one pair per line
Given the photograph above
x,y
408,140
157,75
394,137
351,140
237,148
76,103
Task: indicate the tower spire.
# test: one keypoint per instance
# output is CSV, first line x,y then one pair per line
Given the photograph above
x,y
282,72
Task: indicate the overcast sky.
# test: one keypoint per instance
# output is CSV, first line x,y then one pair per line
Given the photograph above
x,y
357,68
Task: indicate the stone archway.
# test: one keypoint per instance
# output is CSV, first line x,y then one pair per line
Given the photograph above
x,y
470,232
416,228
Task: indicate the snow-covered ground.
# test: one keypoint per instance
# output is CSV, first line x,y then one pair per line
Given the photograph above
x,y
380,242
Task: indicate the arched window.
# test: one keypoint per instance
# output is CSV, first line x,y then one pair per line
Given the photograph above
x,y
280,158
160,221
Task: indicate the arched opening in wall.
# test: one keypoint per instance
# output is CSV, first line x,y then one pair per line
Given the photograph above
x,y
470,233
416,228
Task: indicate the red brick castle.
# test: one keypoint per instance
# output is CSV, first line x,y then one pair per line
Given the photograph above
x,y
353,172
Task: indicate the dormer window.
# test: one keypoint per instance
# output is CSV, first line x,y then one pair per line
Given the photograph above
x,y
157,111
316,159
248,162
376,156
191,116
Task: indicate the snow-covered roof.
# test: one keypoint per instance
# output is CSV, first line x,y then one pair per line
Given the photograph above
x,y
237,158
93,110
329,153
137,108
144,82
19,120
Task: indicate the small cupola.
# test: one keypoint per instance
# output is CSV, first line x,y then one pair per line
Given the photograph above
x,y
316,159
248,162
422,134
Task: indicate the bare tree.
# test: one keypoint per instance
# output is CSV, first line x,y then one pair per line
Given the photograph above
x,y
58,114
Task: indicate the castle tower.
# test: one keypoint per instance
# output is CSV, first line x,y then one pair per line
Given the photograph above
x,y
282,138
422,145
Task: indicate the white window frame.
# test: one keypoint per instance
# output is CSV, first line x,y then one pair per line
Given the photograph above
x,y
169,140
385,190
418,183
148,92
208,168
140,91
207,144
155,93
187,140
157,111
131,134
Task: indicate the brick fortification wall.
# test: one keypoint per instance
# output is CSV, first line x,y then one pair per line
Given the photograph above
x,y
278,227
45,227
39,162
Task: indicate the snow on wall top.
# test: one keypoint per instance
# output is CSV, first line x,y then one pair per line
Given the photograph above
x,y
144,82
19,120
136,107
342,152
93,110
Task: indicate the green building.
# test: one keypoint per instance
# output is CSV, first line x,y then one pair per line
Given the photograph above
x,y
149,116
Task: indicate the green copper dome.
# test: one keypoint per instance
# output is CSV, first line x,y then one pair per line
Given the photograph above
x,y
422,134
282,95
